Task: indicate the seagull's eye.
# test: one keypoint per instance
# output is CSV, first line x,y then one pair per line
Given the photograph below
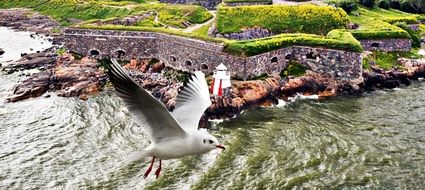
x,y
204,141
210,141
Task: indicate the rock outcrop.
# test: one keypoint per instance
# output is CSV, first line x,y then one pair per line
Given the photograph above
x,y
27,20
34,86
377,78
66,75
43,60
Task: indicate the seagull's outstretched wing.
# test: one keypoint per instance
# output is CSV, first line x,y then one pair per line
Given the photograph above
x,y
192,102
150,113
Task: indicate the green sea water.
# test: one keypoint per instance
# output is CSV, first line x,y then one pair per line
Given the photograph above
x,y
375,141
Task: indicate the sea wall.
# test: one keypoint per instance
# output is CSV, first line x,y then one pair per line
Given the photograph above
x,y
190,54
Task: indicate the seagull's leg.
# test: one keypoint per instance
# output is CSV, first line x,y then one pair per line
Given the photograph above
x,y
150,167
159,169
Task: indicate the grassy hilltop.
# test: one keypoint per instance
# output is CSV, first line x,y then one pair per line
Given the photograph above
x,y
305,25
69,12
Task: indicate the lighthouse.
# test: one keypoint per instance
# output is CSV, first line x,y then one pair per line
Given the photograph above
x,y
221,80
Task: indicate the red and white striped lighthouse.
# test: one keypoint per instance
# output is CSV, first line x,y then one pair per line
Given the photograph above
x,y
221,80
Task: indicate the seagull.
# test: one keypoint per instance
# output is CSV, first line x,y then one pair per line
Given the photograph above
x,y
172,135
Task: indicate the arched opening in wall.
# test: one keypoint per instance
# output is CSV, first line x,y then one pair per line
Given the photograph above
x,y
94,53
375,45
119,53
188,63
288,57
173,59
310,56
204,66
274,60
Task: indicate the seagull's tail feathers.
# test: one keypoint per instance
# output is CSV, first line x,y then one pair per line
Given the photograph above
x,y
136,156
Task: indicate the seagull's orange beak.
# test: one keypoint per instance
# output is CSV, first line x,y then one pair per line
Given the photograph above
x,y
220,146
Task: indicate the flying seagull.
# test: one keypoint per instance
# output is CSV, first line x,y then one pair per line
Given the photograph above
x,y
173,135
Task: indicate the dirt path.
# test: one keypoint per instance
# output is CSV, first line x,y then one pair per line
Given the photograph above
x,y
197,26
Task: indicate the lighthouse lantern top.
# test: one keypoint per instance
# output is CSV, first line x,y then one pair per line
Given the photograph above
x,y
221,67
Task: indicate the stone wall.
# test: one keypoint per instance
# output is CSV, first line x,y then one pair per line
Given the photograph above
x,y
249,3
117,44
209,4
190,54
248,33
387,45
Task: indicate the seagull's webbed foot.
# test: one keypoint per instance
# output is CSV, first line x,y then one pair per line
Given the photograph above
x,y
158,170
150,168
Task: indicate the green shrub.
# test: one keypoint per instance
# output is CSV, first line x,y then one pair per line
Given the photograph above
x,y
347,5
414,35
377,34
413,6
294,69
368,3
199,15
281,18
384,4
395,4
406,19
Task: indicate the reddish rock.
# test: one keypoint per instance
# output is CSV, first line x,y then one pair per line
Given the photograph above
x,y
158,67
70,77
34,86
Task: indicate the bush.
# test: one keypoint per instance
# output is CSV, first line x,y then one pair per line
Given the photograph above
x,y
384,4
281,18
395,4
413,6
368,3
415,35
347,5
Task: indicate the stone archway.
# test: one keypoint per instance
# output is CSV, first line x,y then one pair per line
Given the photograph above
x,y
375,45
173,59
94,53
204,67
119,53
188,63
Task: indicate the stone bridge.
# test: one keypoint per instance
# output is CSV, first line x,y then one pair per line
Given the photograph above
x,y
191,54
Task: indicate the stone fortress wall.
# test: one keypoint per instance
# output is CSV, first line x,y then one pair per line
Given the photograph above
x,y
190,54
209,4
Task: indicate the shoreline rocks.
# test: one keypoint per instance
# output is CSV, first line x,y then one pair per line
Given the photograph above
x,y
43,60
70,77
27,20
65,75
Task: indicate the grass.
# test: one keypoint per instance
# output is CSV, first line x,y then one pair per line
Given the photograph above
x,y
65,11
309,18
202,31
376,23
388,60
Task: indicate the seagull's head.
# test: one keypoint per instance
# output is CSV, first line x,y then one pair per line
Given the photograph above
x,y
209,142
